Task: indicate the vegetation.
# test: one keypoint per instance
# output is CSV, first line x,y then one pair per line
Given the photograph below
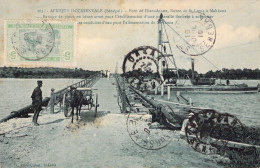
x,y
43,72
49,72
223,74
235,74
141,74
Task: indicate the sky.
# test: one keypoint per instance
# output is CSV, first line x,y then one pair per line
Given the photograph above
x,y
99,47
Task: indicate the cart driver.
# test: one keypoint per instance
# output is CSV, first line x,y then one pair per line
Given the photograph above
x,y
37,101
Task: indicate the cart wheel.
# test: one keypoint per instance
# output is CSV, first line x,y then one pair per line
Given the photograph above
x,y
95,115
66,108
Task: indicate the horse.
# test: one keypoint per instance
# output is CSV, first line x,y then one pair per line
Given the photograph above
x,y
76,99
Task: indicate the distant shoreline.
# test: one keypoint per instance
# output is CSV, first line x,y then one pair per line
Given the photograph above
x,y
42,78
54,72
44,72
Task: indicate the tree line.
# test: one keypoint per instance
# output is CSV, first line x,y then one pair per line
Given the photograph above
x,y
51,72
220,74
44,72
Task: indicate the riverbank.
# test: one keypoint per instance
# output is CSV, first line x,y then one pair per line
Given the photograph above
x,y
103,142
90,142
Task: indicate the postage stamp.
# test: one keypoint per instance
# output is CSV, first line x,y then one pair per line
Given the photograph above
x,y
40,42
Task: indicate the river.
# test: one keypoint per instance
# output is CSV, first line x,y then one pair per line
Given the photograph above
x,y
16,92
246,106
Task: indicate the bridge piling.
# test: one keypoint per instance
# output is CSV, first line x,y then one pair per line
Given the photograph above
x,y
52,101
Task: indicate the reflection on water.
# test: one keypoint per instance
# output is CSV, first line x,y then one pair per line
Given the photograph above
x,y
16,93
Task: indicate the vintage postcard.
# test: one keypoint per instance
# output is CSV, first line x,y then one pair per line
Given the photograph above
x,y
129,84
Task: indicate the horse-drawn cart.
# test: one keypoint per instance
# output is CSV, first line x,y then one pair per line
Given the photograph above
x,y
76,98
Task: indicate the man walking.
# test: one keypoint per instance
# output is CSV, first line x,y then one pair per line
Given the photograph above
x,y
37,101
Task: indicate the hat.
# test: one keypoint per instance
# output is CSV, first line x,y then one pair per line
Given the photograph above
x,y
191,115
39,81
73,87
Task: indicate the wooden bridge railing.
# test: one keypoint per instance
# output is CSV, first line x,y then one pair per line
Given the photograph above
x,y
121,92
57,97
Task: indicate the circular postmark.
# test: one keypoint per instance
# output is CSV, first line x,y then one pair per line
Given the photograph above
x,y
143,65
208,131
141,133
196,34
33,40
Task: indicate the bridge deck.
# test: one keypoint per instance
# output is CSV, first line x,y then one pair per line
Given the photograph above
x,y
107,95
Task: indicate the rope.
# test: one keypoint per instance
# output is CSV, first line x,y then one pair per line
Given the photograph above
x,y
210,62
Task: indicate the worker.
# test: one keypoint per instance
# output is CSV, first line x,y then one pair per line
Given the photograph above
x,y
227,82
37,101
153,84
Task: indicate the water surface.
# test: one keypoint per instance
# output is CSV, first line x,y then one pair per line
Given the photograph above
x,y
246,106
16,92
